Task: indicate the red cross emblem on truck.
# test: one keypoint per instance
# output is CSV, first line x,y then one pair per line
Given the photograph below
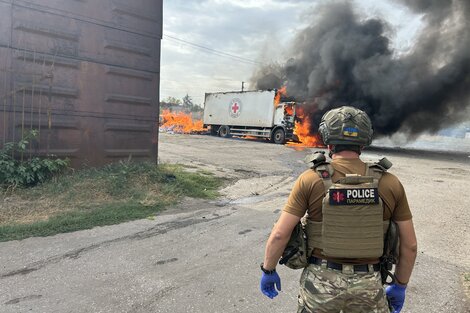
x,y
235,108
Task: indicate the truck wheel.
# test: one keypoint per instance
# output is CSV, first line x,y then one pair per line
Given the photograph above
x,y
279,136
224,131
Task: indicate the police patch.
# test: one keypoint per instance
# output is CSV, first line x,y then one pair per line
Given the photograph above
x,y
356,196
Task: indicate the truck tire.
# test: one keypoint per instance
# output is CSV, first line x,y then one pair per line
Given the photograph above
x,y
279,136
224,131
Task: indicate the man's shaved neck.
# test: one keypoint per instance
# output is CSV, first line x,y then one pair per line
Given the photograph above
x,y
346,154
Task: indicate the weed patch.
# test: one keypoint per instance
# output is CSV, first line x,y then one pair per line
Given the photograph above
x,y
95,197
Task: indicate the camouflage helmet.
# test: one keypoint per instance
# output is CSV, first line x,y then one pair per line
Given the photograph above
x,y
346,126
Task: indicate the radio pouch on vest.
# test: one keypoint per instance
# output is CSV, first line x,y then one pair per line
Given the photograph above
x,y
390,253
295,253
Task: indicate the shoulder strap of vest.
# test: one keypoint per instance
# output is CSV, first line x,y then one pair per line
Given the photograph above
x,y
325,171
377,169
316,158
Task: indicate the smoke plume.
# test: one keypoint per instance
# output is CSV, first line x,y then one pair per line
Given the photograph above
x,y
343,60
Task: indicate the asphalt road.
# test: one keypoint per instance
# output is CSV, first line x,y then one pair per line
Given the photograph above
x,y
203,256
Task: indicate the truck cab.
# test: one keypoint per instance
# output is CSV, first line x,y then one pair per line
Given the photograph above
x,y
284,118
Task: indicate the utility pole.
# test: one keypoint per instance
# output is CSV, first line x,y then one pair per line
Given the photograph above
x,y
243,86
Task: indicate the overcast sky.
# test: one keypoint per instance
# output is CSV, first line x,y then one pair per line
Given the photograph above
x,y
214,45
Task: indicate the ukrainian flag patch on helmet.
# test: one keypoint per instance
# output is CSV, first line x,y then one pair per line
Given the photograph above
x,y
350,132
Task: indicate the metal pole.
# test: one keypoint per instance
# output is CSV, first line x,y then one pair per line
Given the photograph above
x,y
31,115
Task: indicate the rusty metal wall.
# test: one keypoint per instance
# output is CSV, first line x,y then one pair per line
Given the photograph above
x,y
85,73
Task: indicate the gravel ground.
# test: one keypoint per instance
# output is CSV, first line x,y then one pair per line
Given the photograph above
x,y
203,256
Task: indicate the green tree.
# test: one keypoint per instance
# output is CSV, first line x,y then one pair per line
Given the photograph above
x,y
189,105
188,102
171,101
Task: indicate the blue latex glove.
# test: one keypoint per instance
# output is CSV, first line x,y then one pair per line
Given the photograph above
x,y
396,296
267,284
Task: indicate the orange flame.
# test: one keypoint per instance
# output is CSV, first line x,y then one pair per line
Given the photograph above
x,y
302,131
250,137
289,110
181,122
280,92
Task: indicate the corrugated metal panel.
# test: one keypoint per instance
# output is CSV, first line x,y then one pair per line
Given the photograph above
x,y
85,73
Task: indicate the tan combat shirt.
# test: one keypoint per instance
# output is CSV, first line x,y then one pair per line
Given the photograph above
x,y
309,191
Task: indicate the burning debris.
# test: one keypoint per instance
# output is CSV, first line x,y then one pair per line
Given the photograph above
x,y
343,60
302,130
302,124
181,123
279,94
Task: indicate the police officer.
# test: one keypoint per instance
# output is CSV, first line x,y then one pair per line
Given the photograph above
x,y
343,280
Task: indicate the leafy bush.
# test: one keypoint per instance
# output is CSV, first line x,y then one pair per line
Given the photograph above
x,y
15,172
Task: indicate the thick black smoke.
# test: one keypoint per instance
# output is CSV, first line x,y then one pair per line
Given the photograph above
x,y
341,59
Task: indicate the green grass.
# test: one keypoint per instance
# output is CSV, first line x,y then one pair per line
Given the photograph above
x,y
466,277
97,197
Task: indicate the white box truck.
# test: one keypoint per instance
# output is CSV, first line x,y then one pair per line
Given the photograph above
x,y
250,113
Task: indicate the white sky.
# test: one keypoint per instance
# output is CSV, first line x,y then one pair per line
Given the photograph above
x,y
247,32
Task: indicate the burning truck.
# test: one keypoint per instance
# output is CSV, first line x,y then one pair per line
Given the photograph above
x,y
258,114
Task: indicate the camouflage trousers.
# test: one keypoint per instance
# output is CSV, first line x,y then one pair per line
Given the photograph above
x,y
323,290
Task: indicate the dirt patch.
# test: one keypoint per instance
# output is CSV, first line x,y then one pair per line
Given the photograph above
x,y
22,211
259,187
